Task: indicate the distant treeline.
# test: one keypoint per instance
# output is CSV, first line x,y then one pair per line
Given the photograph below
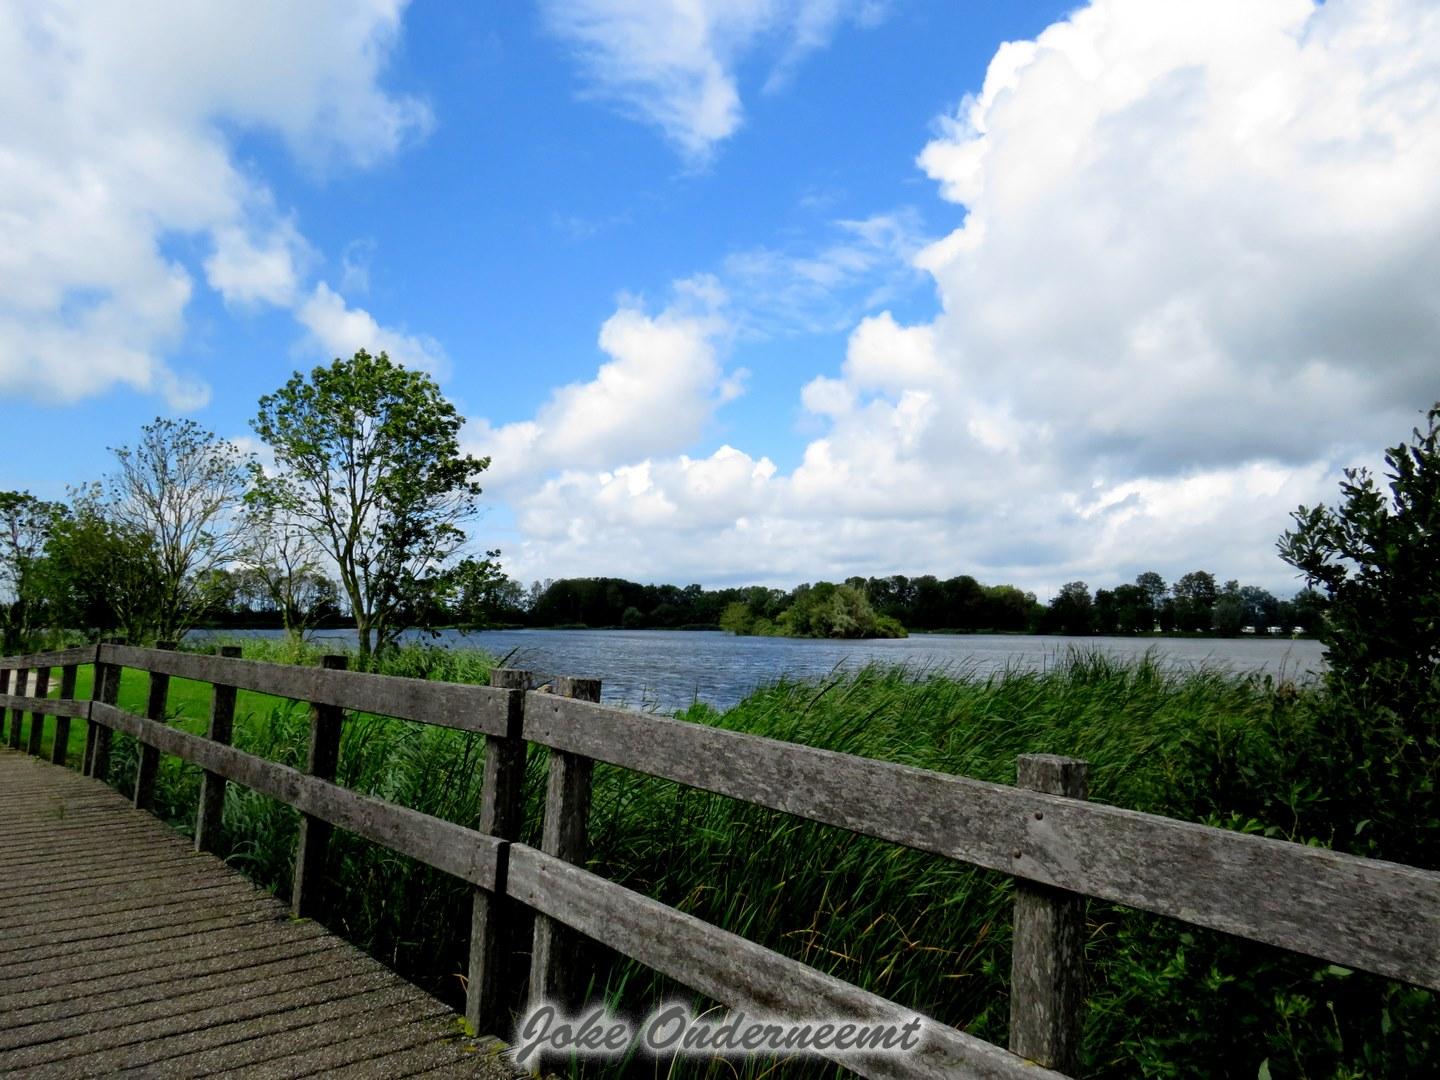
x,y
1195,603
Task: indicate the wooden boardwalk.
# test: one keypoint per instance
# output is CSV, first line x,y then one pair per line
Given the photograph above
x,y
124,953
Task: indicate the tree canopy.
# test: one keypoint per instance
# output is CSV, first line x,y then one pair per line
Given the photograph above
x,y
368,463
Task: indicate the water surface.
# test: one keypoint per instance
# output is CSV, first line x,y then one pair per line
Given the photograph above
x,y
667,669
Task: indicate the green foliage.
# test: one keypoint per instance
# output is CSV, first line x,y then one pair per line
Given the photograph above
x,y
25,527
1164,1000
103,575
180,485
1377,556
368,462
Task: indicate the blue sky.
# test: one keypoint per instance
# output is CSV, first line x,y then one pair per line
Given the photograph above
x,y
764,290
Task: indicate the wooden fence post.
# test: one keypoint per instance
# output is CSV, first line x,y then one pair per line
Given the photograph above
x,y
1048,958
17,714
493,916
60,749
106,690
37,719
210,812
553,975
314,842
148,762
5,689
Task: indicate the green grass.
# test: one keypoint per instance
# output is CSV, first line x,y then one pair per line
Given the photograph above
x,y
1163,1000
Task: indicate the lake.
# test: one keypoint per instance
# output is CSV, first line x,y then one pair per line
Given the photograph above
x,y
666,669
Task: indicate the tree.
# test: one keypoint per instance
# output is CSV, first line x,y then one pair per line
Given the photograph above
x,y
1071,611
102,574
1377,557
182,486
282,559
368,462
1195,596
1228,612
25,526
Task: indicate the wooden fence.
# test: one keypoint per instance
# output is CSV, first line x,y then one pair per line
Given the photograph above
x,y
1374,916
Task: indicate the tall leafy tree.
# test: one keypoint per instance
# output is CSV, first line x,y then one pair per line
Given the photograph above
x,y
182,486
102,574
368,462
25,526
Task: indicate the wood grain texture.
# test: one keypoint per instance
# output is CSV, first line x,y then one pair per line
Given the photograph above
x,y
740,973
38,690
84,654
45,706
1047,970
565,835
453,849
148,760
494,920
209,811
467,708
60,747
312,846
19,701
1377,916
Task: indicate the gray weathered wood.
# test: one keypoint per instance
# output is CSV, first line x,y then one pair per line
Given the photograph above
x,y
83,654
209,814
454,849
313,845
148,760
106,690
553,975
60,748
1378,916
1047,967
467,708
740,973
45,706
37,714
17,711
493,918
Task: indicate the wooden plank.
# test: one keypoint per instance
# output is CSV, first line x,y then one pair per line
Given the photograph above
x,y
740,973
210,812
493,918
1047,963
60,749
466,708
45,706
453,849
40,688
312,847
554,977
1376,916
17,708
105,691
147,762
84,654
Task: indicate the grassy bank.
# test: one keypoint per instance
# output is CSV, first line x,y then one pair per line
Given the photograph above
x,y
1163,1000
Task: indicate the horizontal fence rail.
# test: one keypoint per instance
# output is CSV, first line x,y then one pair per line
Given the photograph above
x,y
1367,914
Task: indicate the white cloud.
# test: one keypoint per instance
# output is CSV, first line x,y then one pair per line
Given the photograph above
x,y
655,394
671,63
114,139
1194,273
337,330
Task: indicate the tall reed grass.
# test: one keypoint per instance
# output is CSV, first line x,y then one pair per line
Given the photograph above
x,y
1163,1000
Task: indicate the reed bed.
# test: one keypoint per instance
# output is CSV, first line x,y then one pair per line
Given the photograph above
x,y
1164,1000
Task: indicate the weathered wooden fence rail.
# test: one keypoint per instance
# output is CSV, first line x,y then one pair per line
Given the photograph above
x,y
1374,916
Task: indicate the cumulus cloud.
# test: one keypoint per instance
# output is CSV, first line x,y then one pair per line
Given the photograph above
x,y
655,394
1193,273
671,63
114,139
337,330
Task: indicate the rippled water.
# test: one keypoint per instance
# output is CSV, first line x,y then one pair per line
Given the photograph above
x,y
669,669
